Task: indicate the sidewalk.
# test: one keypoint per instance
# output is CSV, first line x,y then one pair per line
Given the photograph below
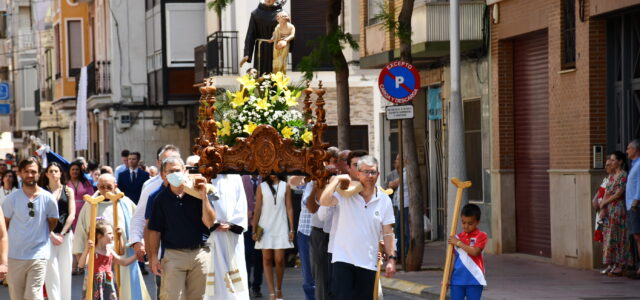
x,y
516,276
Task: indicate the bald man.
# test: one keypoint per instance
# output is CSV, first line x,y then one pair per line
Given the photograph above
x,y
132,283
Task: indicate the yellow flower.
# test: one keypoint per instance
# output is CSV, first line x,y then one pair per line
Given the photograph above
x,y
281,80
238,99
287,132
263,103
247,81
292,100
224,128
307,136
249,128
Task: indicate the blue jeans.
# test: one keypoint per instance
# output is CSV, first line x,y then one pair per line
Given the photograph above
x,y
471,292
303,249
407,233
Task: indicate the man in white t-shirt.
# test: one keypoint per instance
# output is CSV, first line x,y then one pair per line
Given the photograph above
x,y
360,222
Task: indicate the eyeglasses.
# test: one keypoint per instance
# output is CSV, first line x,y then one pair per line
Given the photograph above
x,y
370,173
32,212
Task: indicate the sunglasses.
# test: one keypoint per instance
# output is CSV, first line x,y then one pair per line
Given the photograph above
x,y
32,212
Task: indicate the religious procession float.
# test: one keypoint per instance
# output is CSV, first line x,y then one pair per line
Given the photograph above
x,y
258,130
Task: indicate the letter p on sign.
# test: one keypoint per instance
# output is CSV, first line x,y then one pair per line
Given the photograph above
x,y
399,81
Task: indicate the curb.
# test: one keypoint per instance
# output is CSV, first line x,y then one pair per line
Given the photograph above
x,y
421,290
412,288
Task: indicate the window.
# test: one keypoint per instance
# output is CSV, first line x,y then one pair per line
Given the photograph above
x,y
25,16
57,49
568,34
3,26
374,8
359,136
74,40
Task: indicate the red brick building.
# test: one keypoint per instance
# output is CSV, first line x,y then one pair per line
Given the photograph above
x,y
565,83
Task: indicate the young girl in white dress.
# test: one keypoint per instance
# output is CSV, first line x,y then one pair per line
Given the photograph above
x,y
274,214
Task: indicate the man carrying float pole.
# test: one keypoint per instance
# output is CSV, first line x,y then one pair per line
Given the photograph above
x,y
360,220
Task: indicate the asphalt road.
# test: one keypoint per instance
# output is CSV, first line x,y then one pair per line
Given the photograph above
x,y
292,287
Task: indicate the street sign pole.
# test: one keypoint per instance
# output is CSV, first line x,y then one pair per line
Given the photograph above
x,y
401,191
399,83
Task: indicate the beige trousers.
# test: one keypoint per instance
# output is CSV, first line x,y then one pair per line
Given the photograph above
x,y
25,278
184,274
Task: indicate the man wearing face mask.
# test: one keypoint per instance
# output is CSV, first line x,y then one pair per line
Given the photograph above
x,y
132,283
182,222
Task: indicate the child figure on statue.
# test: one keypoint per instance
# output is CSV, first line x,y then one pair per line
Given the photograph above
x,y
103,279
467,279
282,35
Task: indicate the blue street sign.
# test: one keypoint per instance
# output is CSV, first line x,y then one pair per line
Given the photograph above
x,y
4,91
399,82
5,109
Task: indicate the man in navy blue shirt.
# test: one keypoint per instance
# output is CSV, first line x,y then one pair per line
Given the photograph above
x,y
182,222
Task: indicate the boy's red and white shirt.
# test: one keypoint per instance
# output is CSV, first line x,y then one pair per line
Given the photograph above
x,y
467,269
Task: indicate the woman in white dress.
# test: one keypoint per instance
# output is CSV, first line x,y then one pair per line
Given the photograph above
x,y
58,276
274,214
9,184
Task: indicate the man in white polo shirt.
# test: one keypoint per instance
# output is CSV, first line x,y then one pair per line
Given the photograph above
x,y
360,222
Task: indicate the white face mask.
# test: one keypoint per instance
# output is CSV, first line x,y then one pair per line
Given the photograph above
x,y
176,178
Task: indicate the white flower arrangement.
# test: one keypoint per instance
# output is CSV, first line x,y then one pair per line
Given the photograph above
x,y
265,100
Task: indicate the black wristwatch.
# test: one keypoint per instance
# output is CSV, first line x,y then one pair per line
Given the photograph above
x,y
392,257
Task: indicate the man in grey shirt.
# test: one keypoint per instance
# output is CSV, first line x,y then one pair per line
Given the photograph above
x,y
30,214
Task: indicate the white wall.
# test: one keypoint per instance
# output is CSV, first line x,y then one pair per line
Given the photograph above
x,y
145,137
129,48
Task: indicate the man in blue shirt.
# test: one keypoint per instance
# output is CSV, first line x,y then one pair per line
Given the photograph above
x,y
632,195
182,222
30,213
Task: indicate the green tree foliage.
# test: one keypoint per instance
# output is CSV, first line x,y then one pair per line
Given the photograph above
x,y
391,24
325,46
218,5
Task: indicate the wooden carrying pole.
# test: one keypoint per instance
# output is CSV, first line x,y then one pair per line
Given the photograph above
x,y
376,285
92,236
454,228
115,199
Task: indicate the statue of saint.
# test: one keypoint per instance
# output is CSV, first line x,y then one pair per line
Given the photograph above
x,y
261,26
282,35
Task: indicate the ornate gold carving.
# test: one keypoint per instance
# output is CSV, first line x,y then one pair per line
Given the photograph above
x,y
265,152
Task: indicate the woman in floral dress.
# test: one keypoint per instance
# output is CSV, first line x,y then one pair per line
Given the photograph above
x,y
614,252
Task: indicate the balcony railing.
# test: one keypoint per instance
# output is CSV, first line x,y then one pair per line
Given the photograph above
x,y
222,53
98,78
430,22
103,77
25,39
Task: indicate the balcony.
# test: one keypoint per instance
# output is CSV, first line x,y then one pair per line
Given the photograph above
x,y
98,79
430,26
25,39
46,39
222,53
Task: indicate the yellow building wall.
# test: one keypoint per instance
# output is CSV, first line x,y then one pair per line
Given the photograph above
x,y
65,87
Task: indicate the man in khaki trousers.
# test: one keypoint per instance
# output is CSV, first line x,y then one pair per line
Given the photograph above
x,y
182,222
30,214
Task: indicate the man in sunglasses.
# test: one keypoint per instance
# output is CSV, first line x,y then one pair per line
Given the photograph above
x,y
30,214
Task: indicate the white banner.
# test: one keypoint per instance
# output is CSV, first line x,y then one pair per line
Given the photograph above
x,y
81,112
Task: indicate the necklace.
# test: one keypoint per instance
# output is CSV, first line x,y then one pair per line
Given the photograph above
x,y
275,196
6,192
